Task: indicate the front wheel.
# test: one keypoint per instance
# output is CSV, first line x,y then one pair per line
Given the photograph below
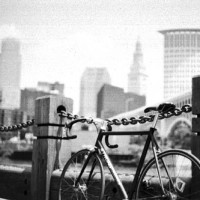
x,y
92,182
180,175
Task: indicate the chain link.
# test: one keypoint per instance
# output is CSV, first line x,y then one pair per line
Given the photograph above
x,y
17,126
124,121
143,119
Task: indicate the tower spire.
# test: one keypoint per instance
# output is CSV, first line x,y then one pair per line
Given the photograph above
x,y
137,76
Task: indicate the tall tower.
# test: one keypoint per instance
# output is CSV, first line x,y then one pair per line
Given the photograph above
x,y
181,60
10,74
91,82
137,77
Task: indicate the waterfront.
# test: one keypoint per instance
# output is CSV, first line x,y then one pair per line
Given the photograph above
x,y
18,163
28,163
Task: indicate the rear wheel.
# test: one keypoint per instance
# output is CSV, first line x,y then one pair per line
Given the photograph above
x,y
184,172
92,182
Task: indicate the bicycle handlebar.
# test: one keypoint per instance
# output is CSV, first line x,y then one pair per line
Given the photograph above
x,y
111,146
103,124
108,144
70,124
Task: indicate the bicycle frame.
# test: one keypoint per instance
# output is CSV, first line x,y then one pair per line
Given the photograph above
x,y
101,150
150,138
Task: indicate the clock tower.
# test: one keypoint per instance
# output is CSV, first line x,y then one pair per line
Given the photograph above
x,y
137,76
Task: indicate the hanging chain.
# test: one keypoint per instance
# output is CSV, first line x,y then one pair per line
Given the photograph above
x,y
124,121
142,119
17,127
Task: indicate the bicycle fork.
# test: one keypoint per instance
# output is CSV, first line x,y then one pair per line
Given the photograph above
x,y
83,168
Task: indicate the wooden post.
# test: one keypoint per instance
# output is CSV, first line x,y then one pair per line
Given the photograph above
x,y
196,129
45,149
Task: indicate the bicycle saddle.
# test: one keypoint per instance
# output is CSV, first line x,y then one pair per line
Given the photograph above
x,y
163,107
166,107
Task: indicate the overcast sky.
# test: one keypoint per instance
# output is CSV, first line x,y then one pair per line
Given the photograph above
x,y
60,38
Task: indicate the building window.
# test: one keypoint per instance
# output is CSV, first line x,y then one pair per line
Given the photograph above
x,y
171,41
167,41
187,40
193,40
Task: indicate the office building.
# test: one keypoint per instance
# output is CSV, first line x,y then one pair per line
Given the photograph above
x,y
134,101
10,74
181,60
56,88
112,100
137,78
91,82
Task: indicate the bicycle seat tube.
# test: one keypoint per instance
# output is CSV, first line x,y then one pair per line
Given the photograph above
x,y
155,120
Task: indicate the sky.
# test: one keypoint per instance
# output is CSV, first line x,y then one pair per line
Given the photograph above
x,y
60,38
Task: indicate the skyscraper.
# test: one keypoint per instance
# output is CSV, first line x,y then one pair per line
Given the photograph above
x,y
181,60
91,82
110,101
137,77
10,74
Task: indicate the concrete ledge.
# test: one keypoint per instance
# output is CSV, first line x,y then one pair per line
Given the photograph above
x,y
15,183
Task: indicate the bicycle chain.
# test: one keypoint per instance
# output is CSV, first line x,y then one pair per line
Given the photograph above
x,y
124,121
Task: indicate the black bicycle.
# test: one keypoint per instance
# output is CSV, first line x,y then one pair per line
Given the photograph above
x,y
170,175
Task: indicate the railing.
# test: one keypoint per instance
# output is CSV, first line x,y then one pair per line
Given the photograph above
x,y
40,182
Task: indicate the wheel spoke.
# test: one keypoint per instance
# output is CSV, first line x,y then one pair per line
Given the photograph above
x,y
94,188
179,165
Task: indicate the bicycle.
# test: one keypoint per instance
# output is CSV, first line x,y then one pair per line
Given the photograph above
x,y
171,174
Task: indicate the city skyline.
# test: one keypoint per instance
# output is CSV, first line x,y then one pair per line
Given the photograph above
x,y
59,39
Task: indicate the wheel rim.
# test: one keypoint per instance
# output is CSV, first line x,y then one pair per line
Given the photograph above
x,y
185,174
83,190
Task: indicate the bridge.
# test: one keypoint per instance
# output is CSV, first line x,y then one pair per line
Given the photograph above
x,y
165,127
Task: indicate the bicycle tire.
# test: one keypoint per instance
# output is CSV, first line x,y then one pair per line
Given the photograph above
x,y
92,190
184,170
